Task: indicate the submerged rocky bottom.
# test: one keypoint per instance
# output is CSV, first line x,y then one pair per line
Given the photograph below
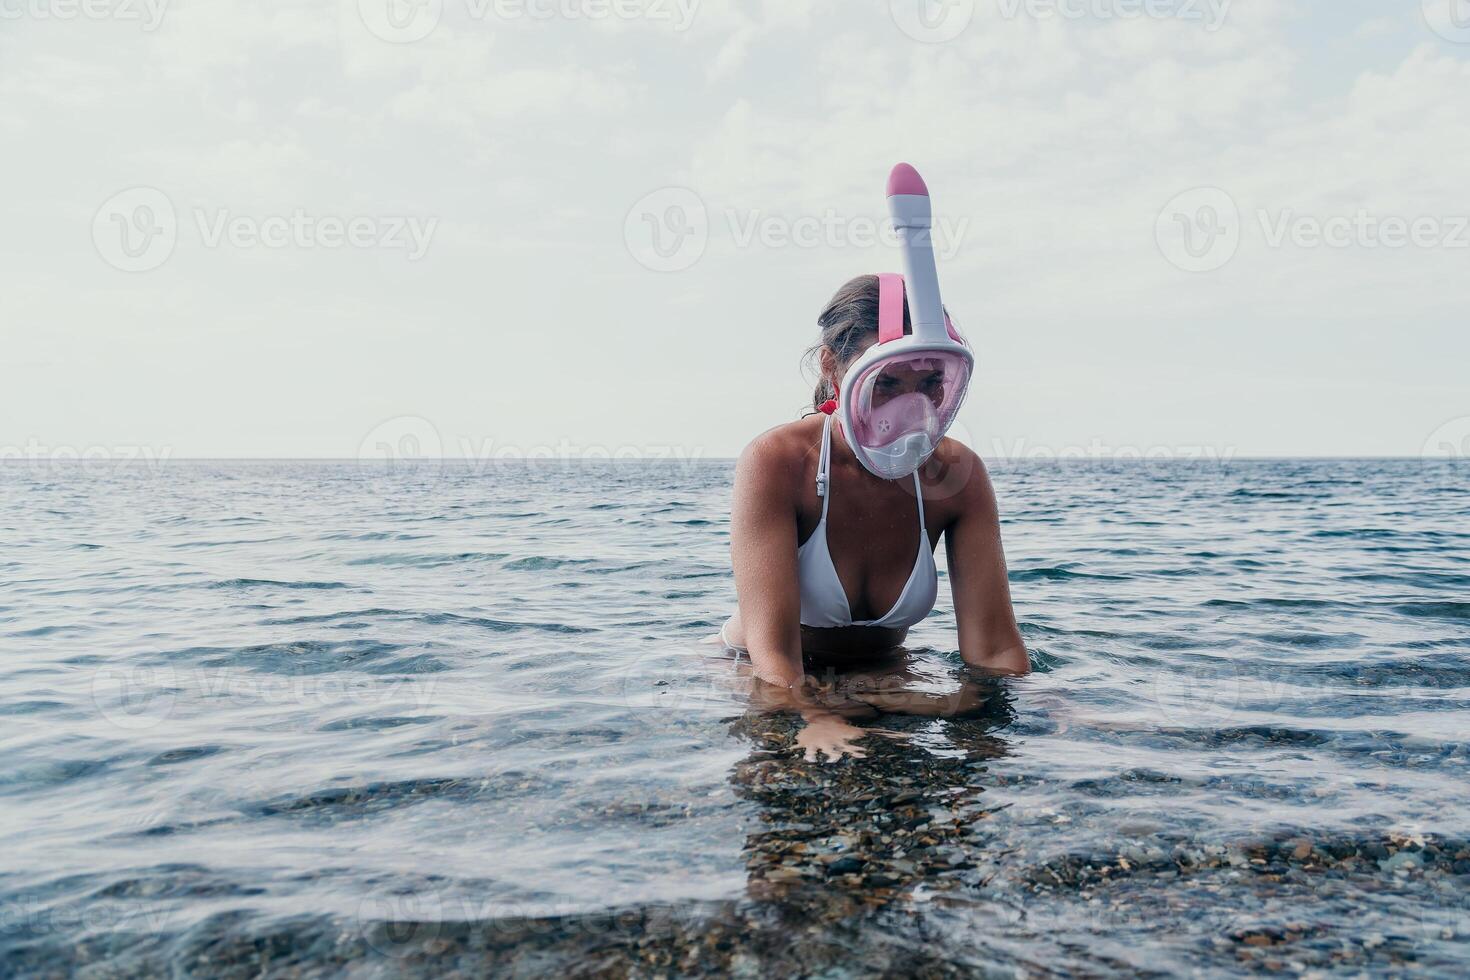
x,y
893,865
318,720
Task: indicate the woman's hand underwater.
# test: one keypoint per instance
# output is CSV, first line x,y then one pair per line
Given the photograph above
x,y
833,736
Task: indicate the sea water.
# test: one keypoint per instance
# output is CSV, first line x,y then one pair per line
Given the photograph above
x,y
373,720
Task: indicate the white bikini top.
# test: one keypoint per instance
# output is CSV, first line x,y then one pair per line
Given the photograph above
x,y
823,600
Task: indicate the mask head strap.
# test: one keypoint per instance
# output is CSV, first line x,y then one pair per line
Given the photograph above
x,y
890,310
890,306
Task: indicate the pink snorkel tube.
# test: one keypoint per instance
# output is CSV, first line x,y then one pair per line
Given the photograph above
x,y
903,393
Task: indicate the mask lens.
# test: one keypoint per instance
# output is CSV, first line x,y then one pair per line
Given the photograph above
x,y
907,396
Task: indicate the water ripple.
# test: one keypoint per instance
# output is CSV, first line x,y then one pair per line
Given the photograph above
x,y
273,718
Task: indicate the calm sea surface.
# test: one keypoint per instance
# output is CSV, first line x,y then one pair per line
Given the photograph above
x,y
320,719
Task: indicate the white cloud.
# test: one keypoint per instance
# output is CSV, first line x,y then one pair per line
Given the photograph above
x,y
1058,141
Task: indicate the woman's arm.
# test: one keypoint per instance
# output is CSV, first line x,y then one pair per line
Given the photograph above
x,y
763,533
763,552
989,638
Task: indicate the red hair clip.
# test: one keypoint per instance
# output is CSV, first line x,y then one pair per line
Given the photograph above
x,y
829,407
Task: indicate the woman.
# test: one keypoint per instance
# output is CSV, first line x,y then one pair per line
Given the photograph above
x,y
834,562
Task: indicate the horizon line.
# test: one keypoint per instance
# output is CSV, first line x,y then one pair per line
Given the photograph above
x,y
430,460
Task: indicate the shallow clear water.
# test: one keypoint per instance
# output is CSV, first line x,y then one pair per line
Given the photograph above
x,y
330,719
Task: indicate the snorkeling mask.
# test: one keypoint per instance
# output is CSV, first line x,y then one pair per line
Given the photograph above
x,y
902,395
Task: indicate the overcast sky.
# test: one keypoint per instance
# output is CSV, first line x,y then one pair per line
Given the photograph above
x,y
312,228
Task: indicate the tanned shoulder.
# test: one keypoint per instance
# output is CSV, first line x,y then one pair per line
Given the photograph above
x,y
960,477
777,457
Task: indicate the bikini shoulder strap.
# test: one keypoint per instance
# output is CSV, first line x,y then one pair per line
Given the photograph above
x,y
824,464
919,492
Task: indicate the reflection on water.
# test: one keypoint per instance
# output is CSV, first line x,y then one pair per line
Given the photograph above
x,y
314,718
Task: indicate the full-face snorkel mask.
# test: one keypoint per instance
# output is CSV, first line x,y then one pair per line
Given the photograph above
x,y
901,396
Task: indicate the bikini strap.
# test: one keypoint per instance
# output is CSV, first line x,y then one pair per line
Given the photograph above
x,y
919,492
824,464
